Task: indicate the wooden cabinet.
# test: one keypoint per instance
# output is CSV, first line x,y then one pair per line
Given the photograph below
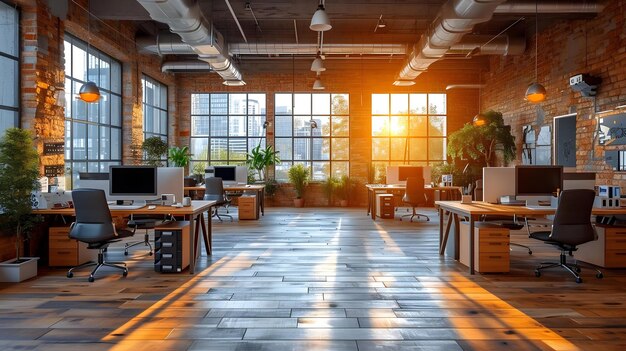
x,y
608,251
491,247
64,252
385,206
247,207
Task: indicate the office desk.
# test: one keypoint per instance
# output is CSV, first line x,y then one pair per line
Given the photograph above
x,y
475,210
258,188
195,212
398,190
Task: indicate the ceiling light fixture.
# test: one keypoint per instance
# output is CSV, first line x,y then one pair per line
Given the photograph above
x,y
536,92
318,65
320,21
89,92
234,83
480,119
403,83
318,85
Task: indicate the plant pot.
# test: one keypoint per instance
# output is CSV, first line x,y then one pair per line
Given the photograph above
x,y
298,202
17,272
343,203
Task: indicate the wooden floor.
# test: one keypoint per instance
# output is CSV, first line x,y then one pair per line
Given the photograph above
x,y
318,279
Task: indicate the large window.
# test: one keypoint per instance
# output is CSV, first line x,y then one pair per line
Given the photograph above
x,y
225,127
9,67
408,129
93,132
313,129
154,108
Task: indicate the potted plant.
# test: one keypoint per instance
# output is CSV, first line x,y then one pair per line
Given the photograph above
x,y
345,188
329,186
259,159
271,186
180,157
299,177
198,170
154,148
19,172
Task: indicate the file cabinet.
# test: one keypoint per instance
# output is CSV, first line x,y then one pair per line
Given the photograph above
x,y
491,247
247,207
171,247
65,252
608,251
385,206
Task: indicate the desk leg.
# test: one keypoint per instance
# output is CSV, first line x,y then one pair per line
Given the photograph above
x,y
262,201
369,201
194,244
440,210
471,244
457,238
207,235
446,233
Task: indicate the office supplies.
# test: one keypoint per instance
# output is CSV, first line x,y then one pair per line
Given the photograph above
x,y
608,191
151,207
168,199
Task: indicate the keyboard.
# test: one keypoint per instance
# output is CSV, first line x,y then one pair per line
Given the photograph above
x,y
538,207
125,207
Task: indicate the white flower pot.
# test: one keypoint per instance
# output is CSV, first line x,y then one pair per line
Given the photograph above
x,y
17,272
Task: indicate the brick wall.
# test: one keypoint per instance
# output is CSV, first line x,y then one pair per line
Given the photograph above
x,y
597,47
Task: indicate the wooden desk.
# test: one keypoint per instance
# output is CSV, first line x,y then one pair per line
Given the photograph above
x,y
195,213
258,188
475,210
398,191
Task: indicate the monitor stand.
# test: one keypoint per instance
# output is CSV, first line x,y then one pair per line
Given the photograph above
x,y
130,202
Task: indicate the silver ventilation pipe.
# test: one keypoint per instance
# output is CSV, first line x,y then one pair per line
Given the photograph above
x,y
528,7
488,45
185,18
186,66
455,19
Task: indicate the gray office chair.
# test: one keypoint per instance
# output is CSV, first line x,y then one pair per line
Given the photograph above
x,y
415,196
94,226
214,191
571,227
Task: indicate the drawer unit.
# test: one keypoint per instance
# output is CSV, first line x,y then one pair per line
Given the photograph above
x,y
385,206
608,251
171,247
63,251
247,207
491,247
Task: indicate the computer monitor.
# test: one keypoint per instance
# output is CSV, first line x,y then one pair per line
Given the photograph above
x,y
171,180
538,180
231,175
241,175
399,174
497,182
133,182
227,173
91,180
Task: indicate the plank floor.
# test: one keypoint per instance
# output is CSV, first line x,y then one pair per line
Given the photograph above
x,y
318,279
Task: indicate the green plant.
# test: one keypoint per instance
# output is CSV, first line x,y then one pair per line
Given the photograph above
x,y
154,148
259,159
460,176
271,186
329,186
345,187
298,176
479,144
180,156
19,172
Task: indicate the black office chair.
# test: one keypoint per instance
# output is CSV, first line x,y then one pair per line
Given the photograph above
x,y
214,191
146,222
415,196
571,227
94,226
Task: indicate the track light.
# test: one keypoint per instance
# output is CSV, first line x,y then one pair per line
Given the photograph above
x,y
318,65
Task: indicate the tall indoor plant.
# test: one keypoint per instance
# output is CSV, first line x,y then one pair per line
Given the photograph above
x,y
299,177
154,148
260,158
19,173
345,188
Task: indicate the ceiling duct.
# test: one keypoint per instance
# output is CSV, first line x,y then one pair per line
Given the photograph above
x,y
488,45
455,19
528,7
185,18
186,66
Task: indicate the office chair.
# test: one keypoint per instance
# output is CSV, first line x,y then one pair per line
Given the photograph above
x,y
94,226
214,191
414,195
190,181
142,222
571,227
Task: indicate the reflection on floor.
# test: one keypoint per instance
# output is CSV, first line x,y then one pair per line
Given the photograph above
x,y
318,279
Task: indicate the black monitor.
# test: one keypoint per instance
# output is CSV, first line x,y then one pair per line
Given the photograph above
x,y
410,171
538,180
227,173
135,182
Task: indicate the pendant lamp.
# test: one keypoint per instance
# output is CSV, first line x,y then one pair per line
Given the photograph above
x,y
89,92
536,92
320,21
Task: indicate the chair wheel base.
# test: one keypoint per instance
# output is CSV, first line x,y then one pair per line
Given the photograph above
x,y
537,273
530,252
125,272
70,274
91,279
150,253
125,253
600,275
579,280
